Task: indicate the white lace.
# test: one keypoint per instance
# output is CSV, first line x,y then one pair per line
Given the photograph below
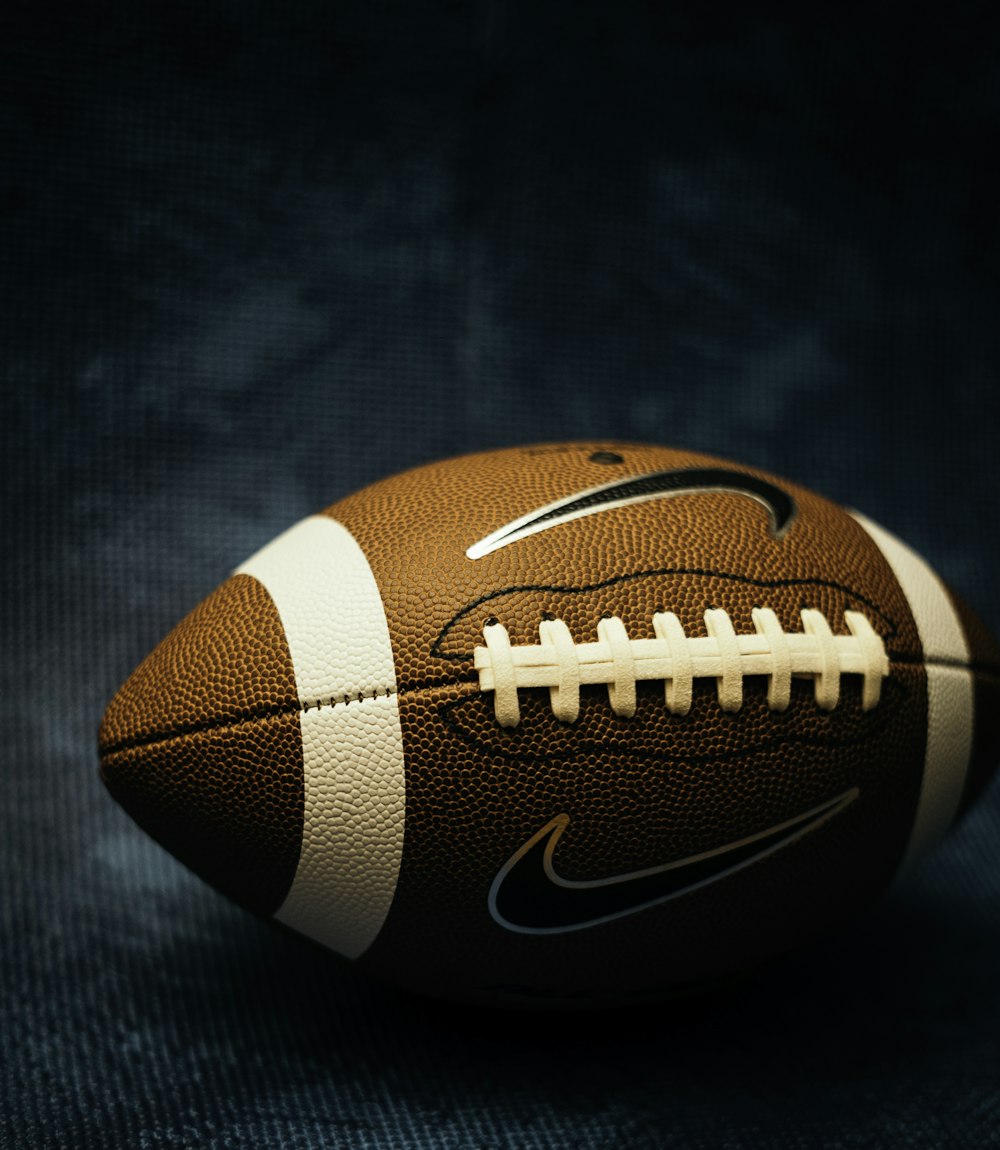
x,y
615,660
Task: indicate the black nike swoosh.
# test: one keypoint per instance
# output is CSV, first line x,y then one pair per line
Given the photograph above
x,y
640,489
528,895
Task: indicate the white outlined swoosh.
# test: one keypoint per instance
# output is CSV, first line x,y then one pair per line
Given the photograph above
x,y
641,489
530,897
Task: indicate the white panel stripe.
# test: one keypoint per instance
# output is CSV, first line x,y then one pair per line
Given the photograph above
x,y
949,690
352,744
331,610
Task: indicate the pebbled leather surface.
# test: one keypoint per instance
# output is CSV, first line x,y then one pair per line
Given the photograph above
x,y
352,838
641,791
201,746
225,662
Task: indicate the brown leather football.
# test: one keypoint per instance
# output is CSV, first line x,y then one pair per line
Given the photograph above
x,y
578,723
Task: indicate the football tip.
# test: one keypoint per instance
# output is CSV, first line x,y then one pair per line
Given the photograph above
x,y
201,746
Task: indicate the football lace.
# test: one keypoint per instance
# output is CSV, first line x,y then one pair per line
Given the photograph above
x,y
677,659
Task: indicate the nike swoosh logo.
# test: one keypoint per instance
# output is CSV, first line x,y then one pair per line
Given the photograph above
x,y
780,505
528,896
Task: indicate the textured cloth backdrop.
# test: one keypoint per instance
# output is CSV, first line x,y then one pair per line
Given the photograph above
x,y
255,257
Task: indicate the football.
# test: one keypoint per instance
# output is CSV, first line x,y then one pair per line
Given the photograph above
x,y
570,724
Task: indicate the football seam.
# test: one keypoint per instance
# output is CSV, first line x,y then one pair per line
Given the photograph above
x,y
298,708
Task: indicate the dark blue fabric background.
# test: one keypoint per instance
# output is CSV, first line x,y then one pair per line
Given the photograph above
x,y
254,257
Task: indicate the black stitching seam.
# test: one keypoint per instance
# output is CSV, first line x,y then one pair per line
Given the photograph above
x,y
414,687
985,670
262,715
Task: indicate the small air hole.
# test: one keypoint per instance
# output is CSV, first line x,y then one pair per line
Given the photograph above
x,y
606,457
491,621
